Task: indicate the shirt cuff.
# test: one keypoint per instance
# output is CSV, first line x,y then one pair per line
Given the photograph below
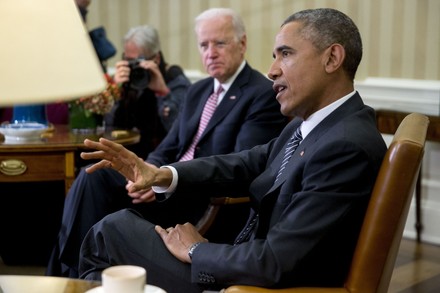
x,y
170,189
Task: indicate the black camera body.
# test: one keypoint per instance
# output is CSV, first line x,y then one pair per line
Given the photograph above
x,y
139,77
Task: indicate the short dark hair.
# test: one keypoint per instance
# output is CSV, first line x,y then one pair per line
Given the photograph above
x,y
326,26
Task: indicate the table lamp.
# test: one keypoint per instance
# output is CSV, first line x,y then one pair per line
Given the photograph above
x,y
46,56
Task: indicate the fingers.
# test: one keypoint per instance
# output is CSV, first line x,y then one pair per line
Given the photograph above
x,y
122,73
161,231
143,195
149,65
104,145
146,197
100,165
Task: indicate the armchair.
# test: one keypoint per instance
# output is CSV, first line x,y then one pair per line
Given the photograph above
x,y
376,251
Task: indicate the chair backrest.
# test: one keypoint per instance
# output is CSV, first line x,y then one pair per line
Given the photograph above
x,y
379,240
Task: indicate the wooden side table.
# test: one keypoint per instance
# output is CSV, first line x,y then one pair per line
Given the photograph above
x,y
18,283
387,122
53,157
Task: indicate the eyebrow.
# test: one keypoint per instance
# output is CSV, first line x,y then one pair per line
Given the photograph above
x,y
281,48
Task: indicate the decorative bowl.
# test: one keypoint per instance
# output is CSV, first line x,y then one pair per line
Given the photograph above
x,y
22,131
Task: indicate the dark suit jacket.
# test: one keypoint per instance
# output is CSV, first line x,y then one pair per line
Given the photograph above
x,y
247,116
309,220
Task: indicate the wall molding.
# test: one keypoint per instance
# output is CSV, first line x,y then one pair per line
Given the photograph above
x,y
421,96
406,95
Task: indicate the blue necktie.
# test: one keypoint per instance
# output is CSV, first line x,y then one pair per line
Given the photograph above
x,y
290,148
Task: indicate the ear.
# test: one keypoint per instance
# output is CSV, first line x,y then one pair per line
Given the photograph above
x,y
243,42
157,58
334,57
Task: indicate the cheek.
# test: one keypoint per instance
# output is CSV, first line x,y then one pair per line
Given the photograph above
x,y
204,58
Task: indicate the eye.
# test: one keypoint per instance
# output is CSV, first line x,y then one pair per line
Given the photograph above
x,y
220,44
285,53
203,46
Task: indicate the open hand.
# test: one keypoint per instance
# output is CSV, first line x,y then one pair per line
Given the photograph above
x,y
127,163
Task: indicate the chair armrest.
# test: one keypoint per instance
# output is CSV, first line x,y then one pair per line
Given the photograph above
x,y
214,206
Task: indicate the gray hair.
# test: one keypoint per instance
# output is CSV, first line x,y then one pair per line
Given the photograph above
x,y
326,26
145,37
237,22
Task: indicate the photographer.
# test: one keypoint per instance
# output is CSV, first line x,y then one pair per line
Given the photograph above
x,y
151,89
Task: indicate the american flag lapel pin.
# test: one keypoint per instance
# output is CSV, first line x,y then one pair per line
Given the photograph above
x,y
232,97
301,153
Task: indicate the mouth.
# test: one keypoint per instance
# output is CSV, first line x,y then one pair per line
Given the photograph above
x,y
279,89
214,65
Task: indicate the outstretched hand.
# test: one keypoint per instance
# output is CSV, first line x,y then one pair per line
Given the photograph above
x,y
115,156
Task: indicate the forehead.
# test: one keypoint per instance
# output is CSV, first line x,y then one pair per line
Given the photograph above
x,y
289,33
214,29
131,49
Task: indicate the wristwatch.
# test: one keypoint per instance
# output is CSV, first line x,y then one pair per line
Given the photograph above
x,y
192,248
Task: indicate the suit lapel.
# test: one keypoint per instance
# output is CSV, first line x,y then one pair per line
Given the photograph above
x,y
230,99
351,105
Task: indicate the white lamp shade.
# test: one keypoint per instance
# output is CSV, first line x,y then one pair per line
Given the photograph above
x,y
46,53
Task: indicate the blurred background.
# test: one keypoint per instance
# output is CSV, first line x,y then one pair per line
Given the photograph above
x,y
401,37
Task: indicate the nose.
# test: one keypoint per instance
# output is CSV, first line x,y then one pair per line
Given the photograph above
x,y
211,51
274,71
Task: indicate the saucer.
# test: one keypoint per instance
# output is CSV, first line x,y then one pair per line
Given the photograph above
x,y
22,132
147,289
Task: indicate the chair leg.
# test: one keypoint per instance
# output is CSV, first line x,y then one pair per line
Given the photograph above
x,y
418,224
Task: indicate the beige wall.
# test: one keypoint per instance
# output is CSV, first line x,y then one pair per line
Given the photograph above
x,y
401,37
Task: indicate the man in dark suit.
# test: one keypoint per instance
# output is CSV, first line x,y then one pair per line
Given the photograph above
x,y
307,204
246,115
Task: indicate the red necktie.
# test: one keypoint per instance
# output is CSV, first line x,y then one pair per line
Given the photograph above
x,y
208,111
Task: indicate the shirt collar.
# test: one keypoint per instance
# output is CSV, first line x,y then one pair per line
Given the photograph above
x,y
314,119
226,85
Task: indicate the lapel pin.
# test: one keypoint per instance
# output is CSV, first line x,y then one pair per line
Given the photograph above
x,y
232,97
301,153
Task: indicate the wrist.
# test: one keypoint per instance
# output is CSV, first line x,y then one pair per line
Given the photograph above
x,y
192,248
162,93
163,177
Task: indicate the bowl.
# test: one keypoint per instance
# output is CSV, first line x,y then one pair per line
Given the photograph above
x,y
22,131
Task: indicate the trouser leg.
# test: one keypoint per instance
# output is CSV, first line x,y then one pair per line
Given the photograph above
x,y
126,238
91,197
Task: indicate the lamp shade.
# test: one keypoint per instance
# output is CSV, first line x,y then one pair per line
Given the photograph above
x,y
46,53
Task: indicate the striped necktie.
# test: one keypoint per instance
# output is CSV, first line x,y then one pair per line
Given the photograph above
x,y
293,143
290,148
208,111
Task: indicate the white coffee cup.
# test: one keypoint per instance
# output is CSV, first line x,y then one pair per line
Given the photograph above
x,y
124,279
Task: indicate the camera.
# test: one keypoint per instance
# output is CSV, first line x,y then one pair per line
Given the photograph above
x,y
139,77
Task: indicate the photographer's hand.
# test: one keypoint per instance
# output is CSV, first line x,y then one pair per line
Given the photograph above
x,y
122,73
157,81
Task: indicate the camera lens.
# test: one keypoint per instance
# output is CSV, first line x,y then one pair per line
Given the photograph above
x,y
139,77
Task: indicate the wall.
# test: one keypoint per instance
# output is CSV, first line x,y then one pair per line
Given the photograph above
x,y
401,37
401,40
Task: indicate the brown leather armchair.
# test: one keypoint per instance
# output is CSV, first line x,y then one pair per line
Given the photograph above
x,y
376,251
